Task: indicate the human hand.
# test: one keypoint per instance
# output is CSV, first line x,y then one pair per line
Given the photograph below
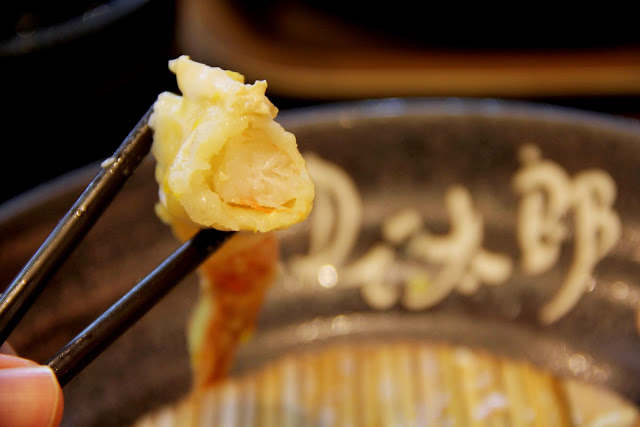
x,y
30,395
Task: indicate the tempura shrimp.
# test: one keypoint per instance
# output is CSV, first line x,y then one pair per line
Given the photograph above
x,y
234,281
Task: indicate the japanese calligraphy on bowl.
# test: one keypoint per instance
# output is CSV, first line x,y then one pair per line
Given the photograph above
x,y
418,268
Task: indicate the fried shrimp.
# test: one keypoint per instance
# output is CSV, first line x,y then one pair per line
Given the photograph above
x,y
222,160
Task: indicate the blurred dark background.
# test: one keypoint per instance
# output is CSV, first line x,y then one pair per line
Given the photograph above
x,y
77,75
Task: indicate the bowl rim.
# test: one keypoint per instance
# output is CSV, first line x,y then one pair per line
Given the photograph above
x,y
75,27
363,110
456,106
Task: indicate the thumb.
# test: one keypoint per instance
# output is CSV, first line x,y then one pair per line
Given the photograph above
x,y
30,396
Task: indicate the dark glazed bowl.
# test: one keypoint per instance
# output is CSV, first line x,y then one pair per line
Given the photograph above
x,y
401,154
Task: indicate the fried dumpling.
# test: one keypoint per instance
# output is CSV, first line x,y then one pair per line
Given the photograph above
x,y
222,159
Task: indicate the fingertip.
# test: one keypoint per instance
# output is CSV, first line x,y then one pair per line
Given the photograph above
x,y
30,396
58,404
57,398
9,361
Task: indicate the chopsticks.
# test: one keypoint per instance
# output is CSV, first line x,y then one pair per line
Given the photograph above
x,y
24,289
87,345
72,228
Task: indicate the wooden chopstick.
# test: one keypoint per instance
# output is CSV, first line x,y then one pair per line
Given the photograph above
x,y
23,291
87,345
72,228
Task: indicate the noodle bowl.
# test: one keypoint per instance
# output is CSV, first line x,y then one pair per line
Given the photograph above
x,y
412,180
